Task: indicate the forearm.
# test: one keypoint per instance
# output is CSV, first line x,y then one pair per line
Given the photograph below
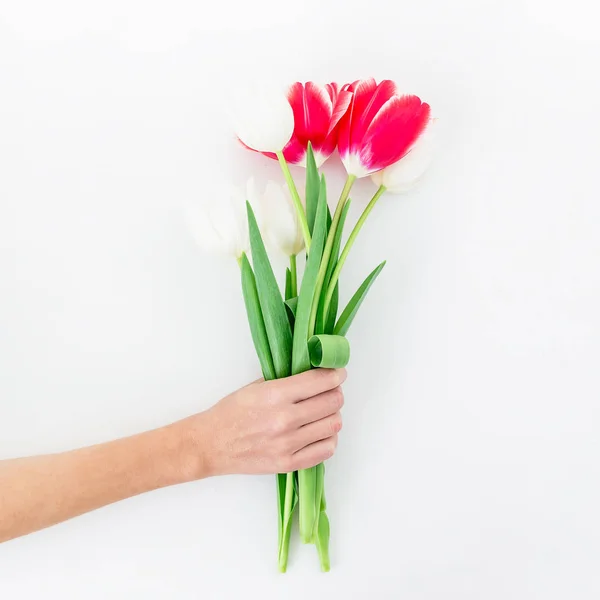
x,y
40,491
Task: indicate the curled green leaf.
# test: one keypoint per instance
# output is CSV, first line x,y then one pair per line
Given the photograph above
x,y
329,351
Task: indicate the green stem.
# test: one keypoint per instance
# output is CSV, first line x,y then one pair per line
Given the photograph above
x,y
307,504
287,526
294,273
327,252
296,198
338,268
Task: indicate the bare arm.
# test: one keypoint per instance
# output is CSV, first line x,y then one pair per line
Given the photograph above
x,y
266,427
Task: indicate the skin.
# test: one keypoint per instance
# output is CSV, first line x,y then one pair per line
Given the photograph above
x,y
265,427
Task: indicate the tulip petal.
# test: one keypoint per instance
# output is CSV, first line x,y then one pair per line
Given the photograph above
x,y
313,107
403,174
394,130
280,220
340,100
263,118
379,127
204,234
368,101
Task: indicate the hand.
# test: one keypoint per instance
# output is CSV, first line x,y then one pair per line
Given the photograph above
x,y
272,426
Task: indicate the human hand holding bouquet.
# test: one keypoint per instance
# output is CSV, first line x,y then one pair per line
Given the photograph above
x,y
379,133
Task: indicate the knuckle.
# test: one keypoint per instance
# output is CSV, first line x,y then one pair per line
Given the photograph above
x,y
341,375
338,423
329,449
337,398
329,378
333,426
333,378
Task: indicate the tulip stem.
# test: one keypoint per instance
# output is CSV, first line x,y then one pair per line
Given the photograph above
x,y
327,252
340,263
296,198
294,276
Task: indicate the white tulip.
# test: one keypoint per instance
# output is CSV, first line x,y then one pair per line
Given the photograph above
x,y
280,220
262,117
406,172
222,226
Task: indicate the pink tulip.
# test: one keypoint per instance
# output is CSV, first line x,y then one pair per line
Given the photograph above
x,y
379,127
317,113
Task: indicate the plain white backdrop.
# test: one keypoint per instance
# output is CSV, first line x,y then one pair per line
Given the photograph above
x,y
469,464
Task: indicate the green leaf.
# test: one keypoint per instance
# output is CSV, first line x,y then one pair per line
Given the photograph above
x,y
329,351
290,501
300,357
321,533
312,188
333,307
279,332
292,306
319,492
281,477
337,242
322,541
288,284
322,324
346,318
256,320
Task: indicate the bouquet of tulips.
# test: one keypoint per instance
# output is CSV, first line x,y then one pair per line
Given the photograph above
x,y
379,133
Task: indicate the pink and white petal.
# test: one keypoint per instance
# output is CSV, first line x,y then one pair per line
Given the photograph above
x,y
361,90
333,89
312,114
340,108
369,101
344,128
394,130
405,173
354,166
295,152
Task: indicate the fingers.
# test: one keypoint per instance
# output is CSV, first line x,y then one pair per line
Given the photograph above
x,y
319,407
314,454
317,431
308,384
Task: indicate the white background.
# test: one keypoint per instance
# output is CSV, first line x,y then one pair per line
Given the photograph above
x,y
469,463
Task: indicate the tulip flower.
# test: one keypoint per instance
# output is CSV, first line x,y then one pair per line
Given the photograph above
x,y
405,173
380,126
263,118
264,121
395,161
222,226
280,220
317,113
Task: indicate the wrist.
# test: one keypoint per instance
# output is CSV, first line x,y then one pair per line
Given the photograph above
x,y
191,456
